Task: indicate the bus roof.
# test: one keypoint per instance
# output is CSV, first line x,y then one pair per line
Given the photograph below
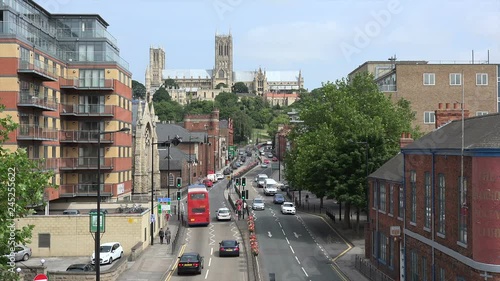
x,y
197,188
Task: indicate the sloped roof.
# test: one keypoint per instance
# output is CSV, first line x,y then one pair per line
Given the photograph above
x,y
243,76
278,76
480,132
187,73
177,157
392,170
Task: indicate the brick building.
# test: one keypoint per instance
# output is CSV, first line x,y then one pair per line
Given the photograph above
x,y
426,84
449,228
63,80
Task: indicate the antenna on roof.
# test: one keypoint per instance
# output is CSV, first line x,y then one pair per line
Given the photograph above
x,y
393,58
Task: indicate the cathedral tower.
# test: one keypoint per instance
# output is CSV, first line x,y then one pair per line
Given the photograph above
x,y
156,66
223,68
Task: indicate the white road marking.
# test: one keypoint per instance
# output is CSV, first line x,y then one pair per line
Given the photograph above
x,y
211,234
269,234
211,251
258,268
297,235
206,274
302,270
280,224
283,231
292,249
297,259
287,240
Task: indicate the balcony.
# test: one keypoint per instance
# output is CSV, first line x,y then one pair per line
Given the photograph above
x,y
100,110
84,137
99,57
48,163
387,88
38,69
29,99
85,163
87,84
35,132
84,189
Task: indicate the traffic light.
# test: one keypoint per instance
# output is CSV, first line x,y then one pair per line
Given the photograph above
x,y
178,195
237,182
179,182
243,195
246,194
243,181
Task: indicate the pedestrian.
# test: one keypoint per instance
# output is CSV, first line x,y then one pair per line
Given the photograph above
x,y
239,211
245,208
161,234
168,235
307,198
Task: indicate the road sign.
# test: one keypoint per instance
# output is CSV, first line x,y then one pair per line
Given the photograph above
x,y
93,222
41,277
152,218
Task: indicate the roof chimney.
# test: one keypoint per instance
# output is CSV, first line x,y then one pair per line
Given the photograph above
x,y
405,139
445,116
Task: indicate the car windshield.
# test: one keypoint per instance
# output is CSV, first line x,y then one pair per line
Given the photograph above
x,y
223,211
279,196
188,258
228,243
105,249
288,205
257,201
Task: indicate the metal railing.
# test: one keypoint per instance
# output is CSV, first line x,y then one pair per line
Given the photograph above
x,y
87,109
39,66
65,33
86,163
93,56
35,132
94,84
369,270
29,98
85,136
84,189
387,88
177,234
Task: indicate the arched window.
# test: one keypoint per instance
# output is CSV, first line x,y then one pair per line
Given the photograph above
x,y
221,73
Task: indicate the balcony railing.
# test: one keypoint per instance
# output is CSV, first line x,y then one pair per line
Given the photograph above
x,y
88,110
84,189
85,136
87,84
27,98
48,163
387,88
35,132
86,163
66,33
38,68
103,57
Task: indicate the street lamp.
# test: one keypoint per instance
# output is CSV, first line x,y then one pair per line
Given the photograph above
x,y
97,239
174,141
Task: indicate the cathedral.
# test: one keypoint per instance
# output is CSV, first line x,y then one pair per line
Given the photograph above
x,y
206,84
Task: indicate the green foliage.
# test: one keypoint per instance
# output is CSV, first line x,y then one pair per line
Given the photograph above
x,y
161,95
281,119
227,103
199,107
169,111
220,85
170,84
24,182
138,90
239,87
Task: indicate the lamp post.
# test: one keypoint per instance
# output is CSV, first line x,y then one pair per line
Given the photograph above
x,y
97,239
175,141
279,157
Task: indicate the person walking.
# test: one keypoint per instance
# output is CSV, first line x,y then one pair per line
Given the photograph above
x,y
168,235
161,234
239,210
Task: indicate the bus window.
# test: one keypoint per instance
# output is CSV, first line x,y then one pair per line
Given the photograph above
x,y
197,196
198,210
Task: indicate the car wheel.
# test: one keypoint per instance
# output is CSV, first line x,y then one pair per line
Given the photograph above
x,y
110,260
26,257
121,255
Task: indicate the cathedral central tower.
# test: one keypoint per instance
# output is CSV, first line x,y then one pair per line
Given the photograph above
x,y
223,68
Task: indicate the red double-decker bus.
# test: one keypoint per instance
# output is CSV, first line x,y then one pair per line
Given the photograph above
x,y
198,205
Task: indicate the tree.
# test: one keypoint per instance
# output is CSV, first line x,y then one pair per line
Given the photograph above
x,y
281,119
138,90
221,85
170,84
161,95
239,87
169,111
227,103
24,181
199,107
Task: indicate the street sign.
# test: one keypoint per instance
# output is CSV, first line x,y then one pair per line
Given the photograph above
x,y
93,222
41,277
153,218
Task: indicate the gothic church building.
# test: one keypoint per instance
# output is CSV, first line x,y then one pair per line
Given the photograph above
x,y
206,84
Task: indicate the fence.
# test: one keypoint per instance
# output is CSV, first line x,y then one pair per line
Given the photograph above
x,y
180,228
370,271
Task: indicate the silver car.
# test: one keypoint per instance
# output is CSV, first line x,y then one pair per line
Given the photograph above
x,y
21,253
258,204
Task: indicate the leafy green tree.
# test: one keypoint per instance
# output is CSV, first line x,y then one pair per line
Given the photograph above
x,y
169,111
221,85
170,84
23,181
199,107
239,87
138,90
161,95
227,103
281,119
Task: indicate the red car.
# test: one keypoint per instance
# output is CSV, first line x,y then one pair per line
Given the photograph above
x,y
208,183
275,159
266,161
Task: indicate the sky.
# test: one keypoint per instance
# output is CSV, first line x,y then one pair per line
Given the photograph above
x,y
325,39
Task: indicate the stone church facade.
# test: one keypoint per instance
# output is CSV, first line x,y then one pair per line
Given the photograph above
x,y
144,139
205,84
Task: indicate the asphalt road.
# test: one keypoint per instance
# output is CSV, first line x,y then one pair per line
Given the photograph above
x,y
205,240
294,247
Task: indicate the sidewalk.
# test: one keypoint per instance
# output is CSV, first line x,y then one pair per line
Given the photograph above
x,y
155,262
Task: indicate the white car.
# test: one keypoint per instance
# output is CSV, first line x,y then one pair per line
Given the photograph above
x,y
219,176
258,204
288,208
223,214
109,252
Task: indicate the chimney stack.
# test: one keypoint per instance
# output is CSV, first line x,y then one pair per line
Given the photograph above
x,y
445,116
405,140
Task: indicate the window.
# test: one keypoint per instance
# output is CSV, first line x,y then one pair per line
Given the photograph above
x,y
429,79
413,186
463,211
391,252
428,202
414,266
400,202
391,199
481,113
424,268
197,196
441,274
382,197
375,194
455,79
441,204
383,247
429,117
91,78
482,79
44,240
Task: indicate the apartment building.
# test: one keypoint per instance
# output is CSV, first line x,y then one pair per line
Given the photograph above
x,y
63,80
434,206
426,84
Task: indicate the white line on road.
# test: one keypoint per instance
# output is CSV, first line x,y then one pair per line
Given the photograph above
x,y
258,268
287,240
269,234
292,249
280,224
297,235
206,274
297,259
302,270
209,261
283,232
211,251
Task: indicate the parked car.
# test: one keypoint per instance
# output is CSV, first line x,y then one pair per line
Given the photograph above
x,y
288,208
220,176
223,214
263,165
21,253
208,183
81,267
258,204
229,248
275,159
71,212
269,155
267,161
278,198
190,263
104,211
227,171
109,252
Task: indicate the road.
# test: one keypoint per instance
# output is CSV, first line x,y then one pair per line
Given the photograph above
x,y
205,240
294,247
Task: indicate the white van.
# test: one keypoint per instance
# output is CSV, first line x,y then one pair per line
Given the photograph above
x,y
260,180
270,187
212,177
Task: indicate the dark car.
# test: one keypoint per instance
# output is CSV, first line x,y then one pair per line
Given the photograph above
x,y
81,267
190,263
104,211
229,248
278,198
227,171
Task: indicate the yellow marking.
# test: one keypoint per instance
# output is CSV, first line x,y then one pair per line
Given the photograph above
x,y
174,267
